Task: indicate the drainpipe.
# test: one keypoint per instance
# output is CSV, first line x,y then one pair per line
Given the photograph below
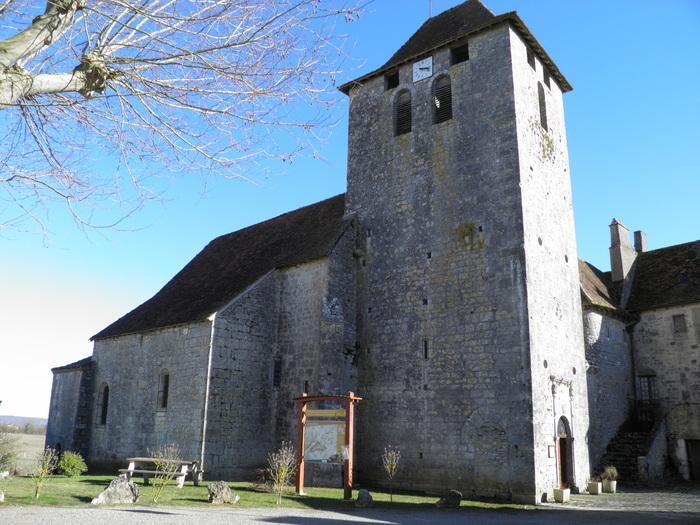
x,y
629,328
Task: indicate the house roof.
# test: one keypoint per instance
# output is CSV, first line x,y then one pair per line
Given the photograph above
x,y
666,277
87,361
232,262
461,21
596,289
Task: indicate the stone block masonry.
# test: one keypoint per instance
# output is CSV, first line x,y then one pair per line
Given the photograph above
x,y
131,366
454,190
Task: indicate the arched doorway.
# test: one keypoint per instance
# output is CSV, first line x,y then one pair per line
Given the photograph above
x,y
565,450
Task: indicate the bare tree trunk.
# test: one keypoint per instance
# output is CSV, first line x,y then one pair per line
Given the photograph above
x,y
16,84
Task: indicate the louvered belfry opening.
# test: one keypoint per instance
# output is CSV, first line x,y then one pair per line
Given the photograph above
x,y
442,100
403,113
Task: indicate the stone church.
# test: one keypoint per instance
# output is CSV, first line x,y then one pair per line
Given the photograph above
x,y
444,288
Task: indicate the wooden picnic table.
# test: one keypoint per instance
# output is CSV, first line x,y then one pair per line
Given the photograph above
x,y
147,468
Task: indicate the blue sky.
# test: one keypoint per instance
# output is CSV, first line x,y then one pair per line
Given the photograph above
x,y
633,123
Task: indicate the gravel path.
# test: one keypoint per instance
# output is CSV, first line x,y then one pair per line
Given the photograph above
x,y
232,516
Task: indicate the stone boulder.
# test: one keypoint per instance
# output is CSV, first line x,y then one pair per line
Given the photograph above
x,y
2,496
364,499
450,501
220,493
4,474
120,490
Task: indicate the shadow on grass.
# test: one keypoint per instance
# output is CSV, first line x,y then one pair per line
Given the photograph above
x,y
95,482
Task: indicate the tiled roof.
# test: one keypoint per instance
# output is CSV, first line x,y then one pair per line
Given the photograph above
x,y
596,287
463,20
445,27
74,366
666,277
232,262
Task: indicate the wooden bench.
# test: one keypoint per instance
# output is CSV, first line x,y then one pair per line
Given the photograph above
x,y
183,467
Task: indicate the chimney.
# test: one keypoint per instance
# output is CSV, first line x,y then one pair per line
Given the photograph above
x,y
622,255
640,241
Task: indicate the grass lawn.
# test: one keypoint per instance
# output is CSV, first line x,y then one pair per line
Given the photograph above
x,y
79,491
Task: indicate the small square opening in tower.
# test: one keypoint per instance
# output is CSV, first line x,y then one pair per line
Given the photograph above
x,y
391,80
531,58
459,54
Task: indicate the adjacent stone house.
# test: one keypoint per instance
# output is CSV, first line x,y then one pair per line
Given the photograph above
x,y
642,326
444,287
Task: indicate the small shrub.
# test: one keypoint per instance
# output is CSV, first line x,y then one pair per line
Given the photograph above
x,y
8,452
282,464
609,473
46,463
166,461
391,459
71,464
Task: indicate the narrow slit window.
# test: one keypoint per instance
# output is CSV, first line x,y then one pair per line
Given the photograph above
x,y
547,78
403,113
163,389
459,54
391,80
277,373
442,100
543,105
306,387
425,349
104,405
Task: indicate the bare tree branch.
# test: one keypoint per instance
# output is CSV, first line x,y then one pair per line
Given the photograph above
x,y
185,85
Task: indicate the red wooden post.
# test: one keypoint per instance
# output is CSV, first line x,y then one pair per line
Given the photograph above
x,y
349,446
300,447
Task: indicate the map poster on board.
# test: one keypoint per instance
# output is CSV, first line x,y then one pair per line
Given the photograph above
x,y
325,435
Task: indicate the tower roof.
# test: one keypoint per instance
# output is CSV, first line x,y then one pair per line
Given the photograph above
x,y
463,20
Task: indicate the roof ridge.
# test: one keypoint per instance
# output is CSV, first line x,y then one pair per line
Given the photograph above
x,y
671,246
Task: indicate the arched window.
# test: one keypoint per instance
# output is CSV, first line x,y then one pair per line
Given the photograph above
x,y
543,105
402,113
442,100
103,407
163,388
563,428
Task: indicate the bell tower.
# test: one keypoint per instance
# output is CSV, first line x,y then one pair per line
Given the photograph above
x,y
471,346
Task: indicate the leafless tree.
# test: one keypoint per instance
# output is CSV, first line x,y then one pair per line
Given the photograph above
x,y
391,458
46,462
166,459
180,85
282,463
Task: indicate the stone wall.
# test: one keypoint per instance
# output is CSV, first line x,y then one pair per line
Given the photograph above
x,y
131,366
239,431
444,328
609,376
673,357
65,398
556,349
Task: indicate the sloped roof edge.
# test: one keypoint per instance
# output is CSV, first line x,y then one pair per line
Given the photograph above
x,y
77,365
